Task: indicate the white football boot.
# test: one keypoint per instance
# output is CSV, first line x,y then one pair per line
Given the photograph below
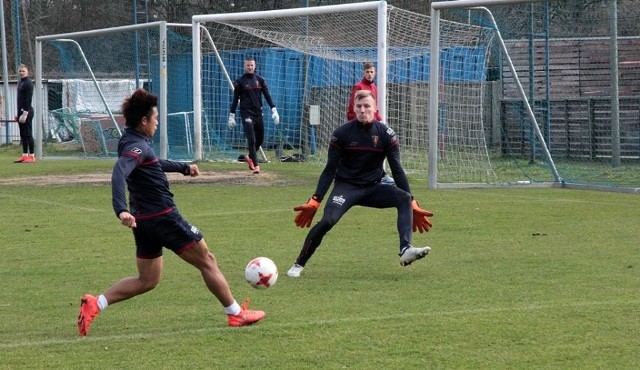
x,y
295,270
410,254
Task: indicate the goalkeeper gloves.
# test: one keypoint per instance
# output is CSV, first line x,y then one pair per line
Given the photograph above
x,y
232,121
420,221
275,116
306,212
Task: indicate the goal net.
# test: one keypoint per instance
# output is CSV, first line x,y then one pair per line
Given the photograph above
x,y
563,90
312,57
85,76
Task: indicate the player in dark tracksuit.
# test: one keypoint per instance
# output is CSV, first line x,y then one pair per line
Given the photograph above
x,y
354,165
149,194
248,89
155,220
25,95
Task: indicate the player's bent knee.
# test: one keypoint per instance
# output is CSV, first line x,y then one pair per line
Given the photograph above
x,y
403,197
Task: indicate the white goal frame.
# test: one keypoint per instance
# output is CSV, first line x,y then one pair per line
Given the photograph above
x,y
381,63
434,83
162,59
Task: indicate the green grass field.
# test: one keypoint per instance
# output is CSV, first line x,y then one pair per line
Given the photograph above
x,y
517,279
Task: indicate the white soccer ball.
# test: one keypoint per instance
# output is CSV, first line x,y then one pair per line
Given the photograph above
x,y
261,273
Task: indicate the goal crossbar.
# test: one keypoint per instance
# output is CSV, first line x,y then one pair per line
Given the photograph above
x,y
295,12
441,5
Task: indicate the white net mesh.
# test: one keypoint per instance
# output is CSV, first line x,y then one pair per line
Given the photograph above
x,y
312,62
89,74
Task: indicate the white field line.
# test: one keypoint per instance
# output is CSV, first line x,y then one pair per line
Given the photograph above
x,y
219,329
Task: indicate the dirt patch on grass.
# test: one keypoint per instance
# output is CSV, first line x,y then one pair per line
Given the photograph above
x,y
232,177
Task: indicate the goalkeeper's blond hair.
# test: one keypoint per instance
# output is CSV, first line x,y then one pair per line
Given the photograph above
x,y
361,94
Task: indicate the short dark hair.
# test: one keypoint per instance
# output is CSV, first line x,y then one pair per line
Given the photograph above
x,y
140,104
367,65
249,58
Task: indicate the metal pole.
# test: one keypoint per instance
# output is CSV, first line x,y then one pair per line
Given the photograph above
x,y
532,81
17,37
456,4
197,94
434,108
5,72
615,96
38,129
382,60
136,47
547,72
164,137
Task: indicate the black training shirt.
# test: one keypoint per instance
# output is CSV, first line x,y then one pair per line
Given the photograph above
x,y
25,94
144,175
356,154
249,89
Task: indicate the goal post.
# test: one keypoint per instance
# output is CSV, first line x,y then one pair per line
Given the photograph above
x,y
449,86
312,57
83,77
563,90
435,82
201,37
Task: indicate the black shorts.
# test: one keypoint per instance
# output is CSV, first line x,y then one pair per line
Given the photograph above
x,y
170,231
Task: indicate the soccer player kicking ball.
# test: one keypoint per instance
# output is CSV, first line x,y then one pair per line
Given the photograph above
x,y
354,165
155,220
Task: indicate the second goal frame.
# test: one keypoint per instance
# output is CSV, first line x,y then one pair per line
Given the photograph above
x,y
380,6
435,83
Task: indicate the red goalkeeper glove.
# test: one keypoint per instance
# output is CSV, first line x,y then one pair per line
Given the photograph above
x,y
420,220
306,212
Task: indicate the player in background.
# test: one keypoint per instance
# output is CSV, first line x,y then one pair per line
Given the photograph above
x,y
155,220
354,166
368,75
25,116
248,89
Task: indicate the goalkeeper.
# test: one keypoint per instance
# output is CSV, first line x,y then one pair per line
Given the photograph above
x,y
248,90
354,165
